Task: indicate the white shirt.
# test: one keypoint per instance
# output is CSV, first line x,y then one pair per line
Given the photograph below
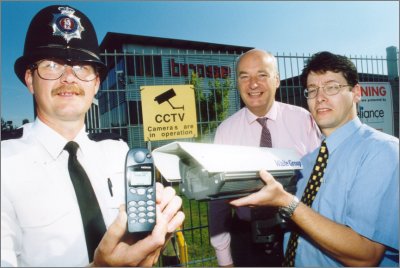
x,y
40,219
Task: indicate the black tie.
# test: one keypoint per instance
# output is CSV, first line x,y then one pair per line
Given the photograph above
x,y
265,140
311,190
92,219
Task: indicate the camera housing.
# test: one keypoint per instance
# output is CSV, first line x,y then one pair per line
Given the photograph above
x,y
199,184
213,171
207,172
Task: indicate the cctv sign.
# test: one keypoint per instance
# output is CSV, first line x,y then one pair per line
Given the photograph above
x,y
169,112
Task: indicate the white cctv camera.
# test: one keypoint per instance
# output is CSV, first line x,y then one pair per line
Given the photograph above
x,y
213,171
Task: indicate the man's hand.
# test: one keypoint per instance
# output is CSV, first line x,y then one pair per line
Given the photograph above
x,y
272,194
119,248
169,204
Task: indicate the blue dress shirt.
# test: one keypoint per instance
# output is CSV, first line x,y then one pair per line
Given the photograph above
x,y
360,189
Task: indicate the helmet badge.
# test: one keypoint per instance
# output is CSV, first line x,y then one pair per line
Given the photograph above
x,y
66,24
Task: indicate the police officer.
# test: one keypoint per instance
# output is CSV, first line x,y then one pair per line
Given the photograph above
x,y
41,218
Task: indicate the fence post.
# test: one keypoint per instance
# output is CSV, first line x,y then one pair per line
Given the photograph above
x,y
392,60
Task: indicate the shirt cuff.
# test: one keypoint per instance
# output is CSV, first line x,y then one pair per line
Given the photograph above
x,y
224,257
221,244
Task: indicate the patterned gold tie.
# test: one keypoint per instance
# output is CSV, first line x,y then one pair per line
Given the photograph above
x,y
313,184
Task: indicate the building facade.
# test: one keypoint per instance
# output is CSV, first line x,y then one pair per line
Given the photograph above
x,y
135,61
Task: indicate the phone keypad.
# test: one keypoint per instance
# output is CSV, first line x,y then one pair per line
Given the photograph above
x,y
142,211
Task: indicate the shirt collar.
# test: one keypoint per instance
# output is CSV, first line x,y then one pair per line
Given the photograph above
x,y
53,142
83,140
271,114
341,134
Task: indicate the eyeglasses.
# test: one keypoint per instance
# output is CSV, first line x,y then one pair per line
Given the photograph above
x,y
53,70
330,90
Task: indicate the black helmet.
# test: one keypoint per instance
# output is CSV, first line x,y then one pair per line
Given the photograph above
x,y
60,32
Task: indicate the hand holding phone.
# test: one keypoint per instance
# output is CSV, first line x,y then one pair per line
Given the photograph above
x,y
140,188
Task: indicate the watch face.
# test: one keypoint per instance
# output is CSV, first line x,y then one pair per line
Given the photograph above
x,y
285,213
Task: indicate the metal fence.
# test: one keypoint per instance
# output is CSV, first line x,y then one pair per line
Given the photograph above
x,y
119,111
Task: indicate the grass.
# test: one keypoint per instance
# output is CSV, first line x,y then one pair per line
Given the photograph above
x,y
195,231
200,251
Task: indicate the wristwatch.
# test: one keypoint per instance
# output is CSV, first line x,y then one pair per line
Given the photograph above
x,y
287,212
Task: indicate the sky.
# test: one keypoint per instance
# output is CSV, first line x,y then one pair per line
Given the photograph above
x,y
351,28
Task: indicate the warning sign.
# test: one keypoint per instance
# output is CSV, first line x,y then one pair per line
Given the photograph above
x,y
169,112
376,108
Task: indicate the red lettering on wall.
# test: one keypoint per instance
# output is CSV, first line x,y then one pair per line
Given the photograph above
x,y
193,68
217,72
225,71
210,71
184,69
174,68
201,70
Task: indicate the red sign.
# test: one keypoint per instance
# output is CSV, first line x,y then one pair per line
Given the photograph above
x,y
210,71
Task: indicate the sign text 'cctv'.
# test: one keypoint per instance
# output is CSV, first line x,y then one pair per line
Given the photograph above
x,y
167,118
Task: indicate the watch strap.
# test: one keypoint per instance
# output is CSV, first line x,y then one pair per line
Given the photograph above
x,y
287,212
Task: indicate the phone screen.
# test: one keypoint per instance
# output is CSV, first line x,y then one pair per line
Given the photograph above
x,y
140,178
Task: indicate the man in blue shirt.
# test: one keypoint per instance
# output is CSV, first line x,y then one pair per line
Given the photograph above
x,y
353,219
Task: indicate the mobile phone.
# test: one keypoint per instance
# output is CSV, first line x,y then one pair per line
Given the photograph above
x,y
140,189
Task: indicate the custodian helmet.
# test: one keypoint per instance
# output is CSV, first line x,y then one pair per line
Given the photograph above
x,y
60,32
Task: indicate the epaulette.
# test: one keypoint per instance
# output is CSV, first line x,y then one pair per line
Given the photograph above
x,y
14,134
104,136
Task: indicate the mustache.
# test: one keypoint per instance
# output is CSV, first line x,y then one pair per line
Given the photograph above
x,y
68,89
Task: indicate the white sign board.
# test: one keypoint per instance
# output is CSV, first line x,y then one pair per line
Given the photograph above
x,y
376,107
